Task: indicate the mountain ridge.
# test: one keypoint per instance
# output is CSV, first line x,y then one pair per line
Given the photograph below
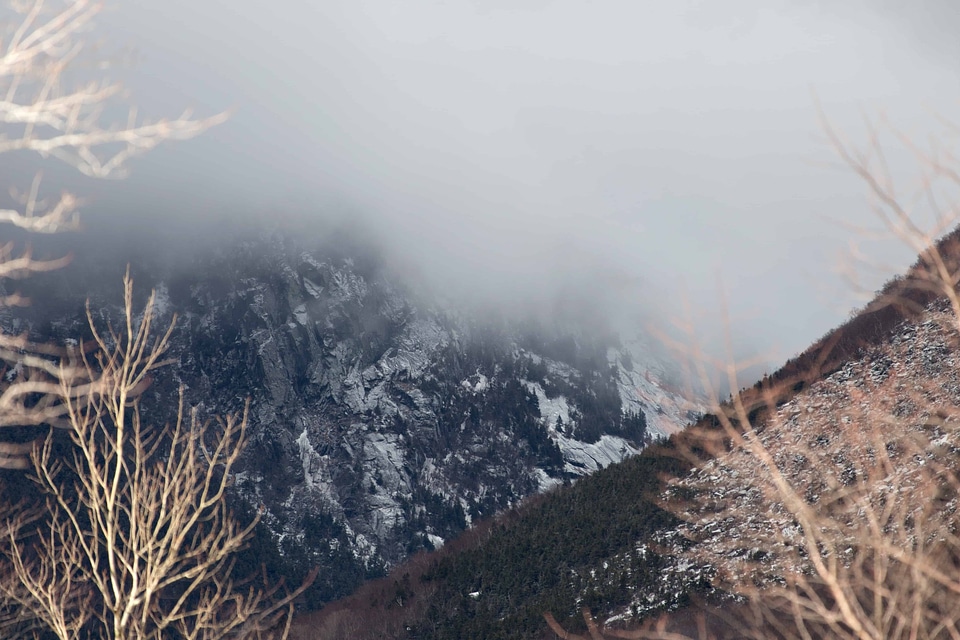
x,y
381,423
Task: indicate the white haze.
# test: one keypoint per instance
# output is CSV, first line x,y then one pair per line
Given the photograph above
x,y
623,152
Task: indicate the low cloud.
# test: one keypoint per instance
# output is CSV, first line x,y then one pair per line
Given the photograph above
x,y
626,154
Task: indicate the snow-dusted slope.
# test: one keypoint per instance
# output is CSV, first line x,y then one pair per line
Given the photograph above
x,y
879,433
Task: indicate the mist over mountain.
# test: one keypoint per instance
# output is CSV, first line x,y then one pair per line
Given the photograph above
x,y
517,152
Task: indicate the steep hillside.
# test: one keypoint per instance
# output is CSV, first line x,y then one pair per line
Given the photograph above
x,y
871,426
885,382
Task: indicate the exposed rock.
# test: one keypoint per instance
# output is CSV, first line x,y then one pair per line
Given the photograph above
x,y
392,423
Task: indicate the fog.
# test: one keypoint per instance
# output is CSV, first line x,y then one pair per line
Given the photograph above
x,y
620,154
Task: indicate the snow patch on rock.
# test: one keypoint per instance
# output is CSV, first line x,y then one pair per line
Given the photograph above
x,y
477,383
642,380
550,408
581,458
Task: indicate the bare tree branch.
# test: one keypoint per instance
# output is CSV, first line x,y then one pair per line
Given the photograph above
x,y
139,542
48,108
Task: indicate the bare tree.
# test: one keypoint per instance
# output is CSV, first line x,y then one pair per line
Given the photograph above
x,y
135,539
46,107
138,542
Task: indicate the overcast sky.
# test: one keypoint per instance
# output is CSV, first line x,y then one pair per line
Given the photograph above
x,y
513,148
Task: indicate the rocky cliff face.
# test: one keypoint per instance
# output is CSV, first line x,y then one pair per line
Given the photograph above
x,y
381,423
